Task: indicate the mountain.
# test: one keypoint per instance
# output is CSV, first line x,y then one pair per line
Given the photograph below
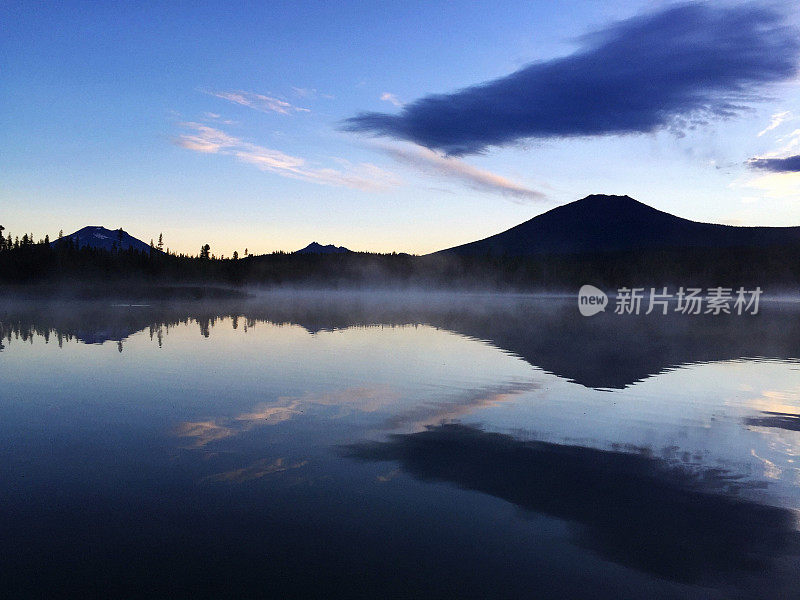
x,y
95,236
600,223
604,351
315,248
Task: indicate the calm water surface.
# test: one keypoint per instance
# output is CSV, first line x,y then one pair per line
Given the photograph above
x,y
324,445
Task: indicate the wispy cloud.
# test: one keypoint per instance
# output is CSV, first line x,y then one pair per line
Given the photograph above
x,y
206,139
218,118
671,69
311,93
202,433
209,140
285,408
387,97
372,399
791,143
466,403
433,163
304,92
776,120
257,470
258,102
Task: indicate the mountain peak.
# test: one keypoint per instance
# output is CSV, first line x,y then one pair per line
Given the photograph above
x,y
607,201
606,197
606,223
315,248
97,236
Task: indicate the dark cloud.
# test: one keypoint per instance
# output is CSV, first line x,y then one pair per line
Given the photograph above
x,y
779,420
667,70
790,164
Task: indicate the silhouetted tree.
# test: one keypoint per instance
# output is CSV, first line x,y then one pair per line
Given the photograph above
x,y
60,233
235,255
161,241
205,252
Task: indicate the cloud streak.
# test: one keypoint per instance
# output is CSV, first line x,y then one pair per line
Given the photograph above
x,y
668,70
790,164
257,470
258,102
209,140
387,97
432,163
285,408
776,120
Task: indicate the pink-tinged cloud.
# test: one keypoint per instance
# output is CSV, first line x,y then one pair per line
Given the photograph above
x,y
208,140
433,163
387,97
258,102
205,139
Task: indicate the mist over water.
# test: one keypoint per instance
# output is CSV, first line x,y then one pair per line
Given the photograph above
x,y
405,445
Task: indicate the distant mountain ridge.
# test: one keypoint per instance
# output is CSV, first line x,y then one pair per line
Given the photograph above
x,y
95,236
601,223
315,248
595,224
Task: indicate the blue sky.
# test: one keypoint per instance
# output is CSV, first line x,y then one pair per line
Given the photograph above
x,y
407,126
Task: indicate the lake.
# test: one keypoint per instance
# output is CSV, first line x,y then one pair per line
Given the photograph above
x,y
397,445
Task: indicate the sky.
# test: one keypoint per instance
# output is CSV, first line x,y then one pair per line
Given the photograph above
x,y
390,126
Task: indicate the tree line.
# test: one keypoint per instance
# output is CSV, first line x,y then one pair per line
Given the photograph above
x,y
7,243
23,261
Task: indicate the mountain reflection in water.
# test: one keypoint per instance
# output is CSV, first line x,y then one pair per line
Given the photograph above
x,y
634,509
378,445
604,351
